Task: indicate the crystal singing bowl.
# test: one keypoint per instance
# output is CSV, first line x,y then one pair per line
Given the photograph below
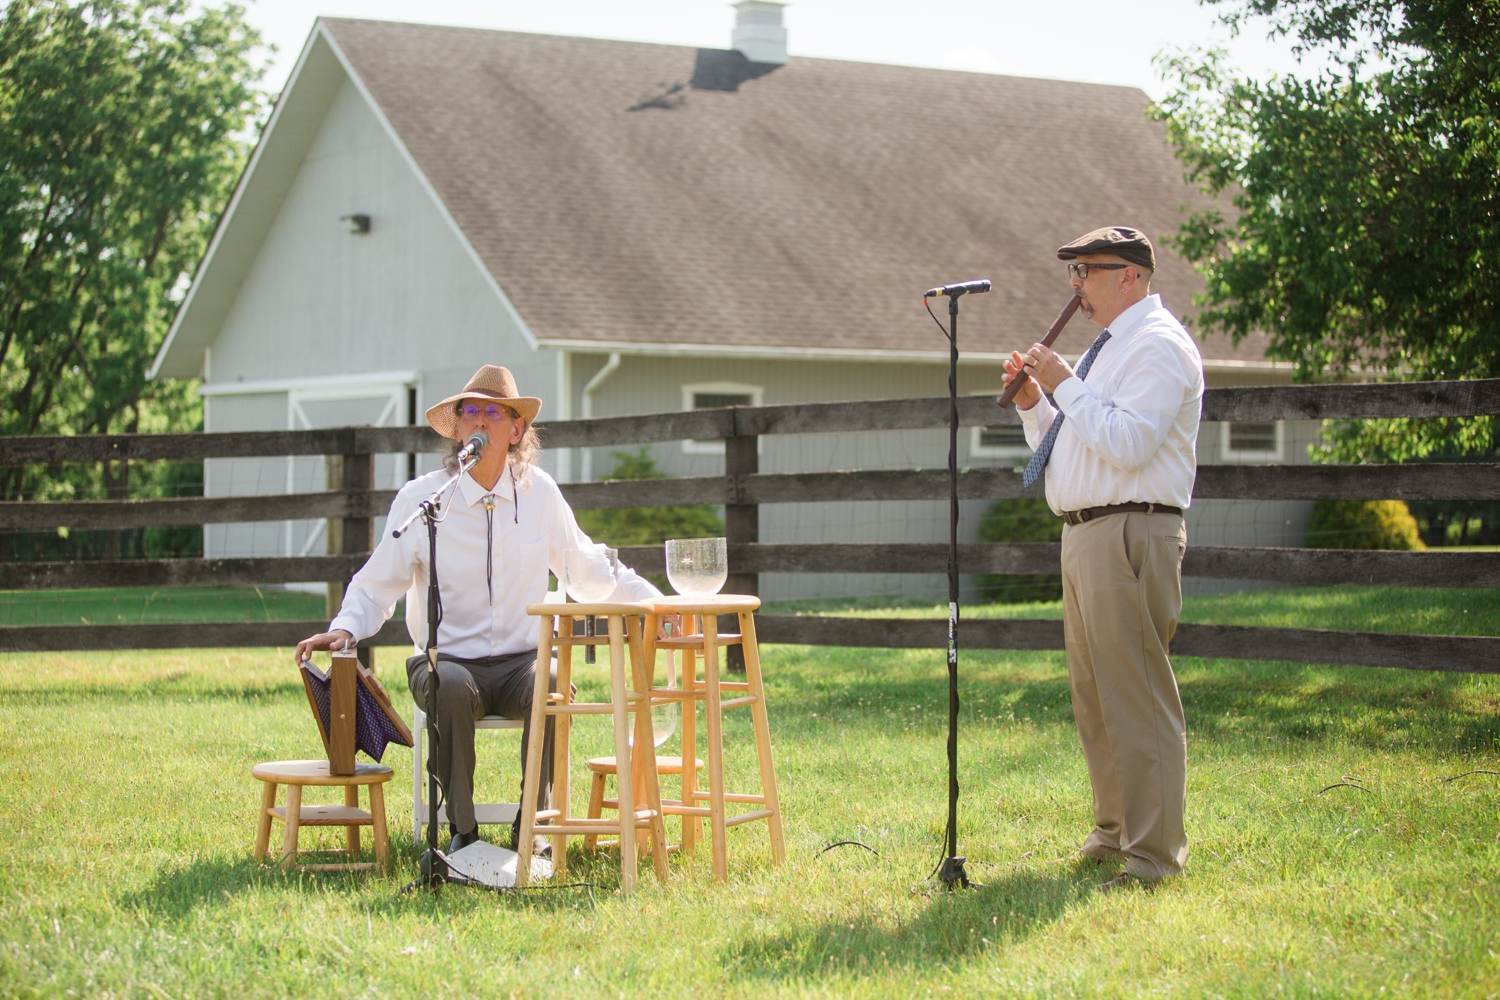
x,y
588,578
697,567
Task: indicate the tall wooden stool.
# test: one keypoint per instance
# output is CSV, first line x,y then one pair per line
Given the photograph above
x,y
601,767
294,774
701,638
557,632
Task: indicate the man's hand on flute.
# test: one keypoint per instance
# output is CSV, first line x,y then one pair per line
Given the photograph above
x,y
1046,368
337,639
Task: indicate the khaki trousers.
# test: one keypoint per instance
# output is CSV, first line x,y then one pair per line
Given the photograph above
x,y
1122,594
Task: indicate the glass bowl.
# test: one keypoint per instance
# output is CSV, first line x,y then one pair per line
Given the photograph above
x,y
697,567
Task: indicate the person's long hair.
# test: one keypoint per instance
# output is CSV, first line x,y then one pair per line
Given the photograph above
x,y
523,454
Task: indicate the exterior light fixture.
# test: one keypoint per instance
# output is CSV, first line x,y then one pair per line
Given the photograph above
x,y
358,224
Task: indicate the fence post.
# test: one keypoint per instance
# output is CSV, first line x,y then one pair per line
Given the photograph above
x,y
741,524
357,533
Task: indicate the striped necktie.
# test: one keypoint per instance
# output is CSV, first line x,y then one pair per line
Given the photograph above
x,y
1044,451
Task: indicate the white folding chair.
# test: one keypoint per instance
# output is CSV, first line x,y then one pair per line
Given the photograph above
x,y
495,813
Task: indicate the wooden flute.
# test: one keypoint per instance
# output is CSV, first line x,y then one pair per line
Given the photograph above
x,y
1056,328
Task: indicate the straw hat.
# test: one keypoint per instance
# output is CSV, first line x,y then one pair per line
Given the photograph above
x,y
490,382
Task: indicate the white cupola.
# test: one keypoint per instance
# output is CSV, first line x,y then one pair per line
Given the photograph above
x,y
758,31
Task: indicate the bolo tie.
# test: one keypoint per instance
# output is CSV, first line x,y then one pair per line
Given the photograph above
x,y
489,533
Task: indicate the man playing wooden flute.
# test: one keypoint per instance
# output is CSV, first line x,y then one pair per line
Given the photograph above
x,y
506,525
1118,441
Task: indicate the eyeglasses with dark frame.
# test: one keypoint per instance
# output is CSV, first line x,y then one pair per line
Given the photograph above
x,y
1082,269
491,412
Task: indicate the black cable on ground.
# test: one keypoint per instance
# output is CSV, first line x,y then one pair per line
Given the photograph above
x,y
848,843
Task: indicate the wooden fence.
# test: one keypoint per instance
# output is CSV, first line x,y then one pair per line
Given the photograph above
x,y
742,489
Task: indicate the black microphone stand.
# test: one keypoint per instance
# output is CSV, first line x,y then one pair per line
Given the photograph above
x,y
434,866
951,870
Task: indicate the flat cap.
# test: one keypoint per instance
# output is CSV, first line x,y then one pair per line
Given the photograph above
x,y
1122,241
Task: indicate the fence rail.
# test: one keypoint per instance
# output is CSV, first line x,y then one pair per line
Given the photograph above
x,y
1454,654
1478,397
1305,567
1459,481
743,488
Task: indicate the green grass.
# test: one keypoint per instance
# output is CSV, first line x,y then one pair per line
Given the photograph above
x,y
129,811
117,605
1367,609
1379,609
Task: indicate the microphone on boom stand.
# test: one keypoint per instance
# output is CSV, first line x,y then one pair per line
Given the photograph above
x,y
477,443
434,866
467,456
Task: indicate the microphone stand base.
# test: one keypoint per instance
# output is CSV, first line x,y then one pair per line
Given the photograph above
x,y
434,867
953,876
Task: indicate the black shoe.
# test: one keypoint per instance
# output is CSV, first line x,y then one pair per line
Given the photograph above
x,y
462,840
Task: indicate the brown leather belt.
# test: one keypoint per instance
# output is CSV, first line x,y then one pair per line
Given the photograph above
x,y
1089,513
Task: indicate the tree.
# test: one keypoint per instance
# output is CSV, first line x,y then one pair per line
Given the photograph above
x,y
1362,524
1366,222
123,126
646,525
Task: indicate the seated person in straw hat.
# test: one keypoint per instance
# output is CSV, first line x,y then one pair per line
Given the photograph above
x,y
505,527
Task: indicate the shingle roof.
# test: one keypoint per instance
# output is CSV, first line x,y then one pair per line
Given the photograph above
x,y
622,192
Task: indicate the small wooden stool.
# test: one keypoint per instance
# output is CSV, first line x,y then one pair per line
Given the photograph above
x,y
602,767
296,773
701,638
557,632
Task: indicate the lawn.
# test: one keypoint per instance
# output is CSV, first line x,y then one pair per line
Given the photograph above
x,y
130,811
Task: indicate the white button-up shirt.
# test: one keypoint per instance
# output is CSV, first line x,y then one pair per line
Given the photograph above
x,y
1132,427
533,528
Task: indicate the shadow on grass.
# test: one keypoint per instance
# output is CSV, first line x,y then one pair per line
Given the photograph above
x,y
181,891
1297,703
950,928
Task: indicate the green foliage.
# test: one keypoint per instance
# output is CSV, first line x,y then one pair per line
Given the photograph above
x,y
646,525
122,130
1457,522
1364,228
1362,524
1021,520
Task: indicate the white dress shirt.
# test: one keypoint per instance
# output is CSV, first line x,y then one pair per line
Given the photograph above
x,y
533,528
1132,427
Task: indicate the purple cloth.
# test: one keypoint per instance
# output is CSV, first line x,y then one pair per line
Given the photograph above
x,y
373,729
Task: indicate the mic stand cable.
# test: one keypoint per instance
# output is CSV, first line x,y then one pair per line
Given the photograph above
x,y
950,870
434,866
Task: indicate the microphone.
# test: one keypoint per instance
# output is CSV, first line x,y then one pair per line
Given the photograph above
x,y
477,442
961,288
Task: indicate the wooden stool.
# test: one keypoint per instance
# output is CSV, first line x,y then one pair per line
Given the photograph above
x,y
558,633
296,773
701,638
602,767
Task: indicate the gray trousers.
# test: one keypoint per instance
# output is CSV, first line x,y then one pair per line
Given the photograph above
x,y
468,690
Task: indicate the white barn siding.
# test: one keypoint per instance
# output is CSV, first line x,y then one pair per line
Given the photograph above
x,y
648,385
319,301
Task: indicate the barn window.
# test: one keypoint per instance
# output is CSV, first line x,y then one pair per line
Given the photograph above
x,y
712,395
1253,441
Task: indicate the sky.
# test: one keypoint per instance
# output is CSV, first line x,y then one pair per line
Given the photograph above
x,y
1093,41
